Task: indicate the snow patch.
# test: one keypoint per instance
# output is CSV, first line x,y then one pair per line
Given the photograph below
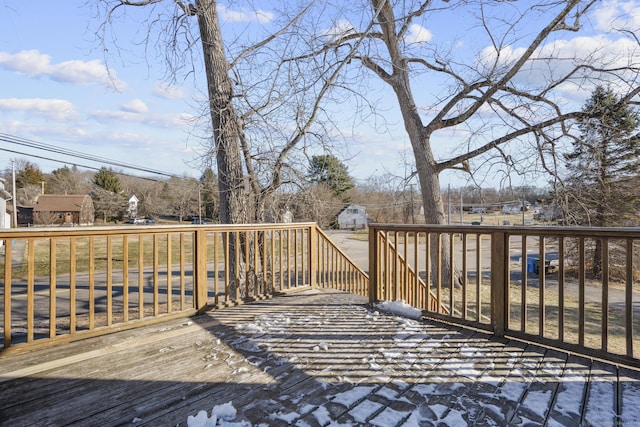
x,y
221,415
401,308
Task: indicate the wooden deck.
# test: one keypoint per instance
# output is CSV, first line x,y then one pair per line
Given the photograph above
x,y
309,360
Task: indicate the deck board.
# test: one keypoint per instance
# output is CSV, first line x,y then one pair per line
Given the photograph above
x,y
311,359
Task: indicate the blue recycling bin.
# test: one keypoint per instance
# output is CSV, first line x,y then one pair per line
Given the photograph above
x,y
531,265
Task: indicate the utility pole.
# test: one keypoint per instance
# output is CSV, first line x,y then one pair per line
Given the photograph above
x,y
523,203
199,205
413,216
449,204
461,206
13,189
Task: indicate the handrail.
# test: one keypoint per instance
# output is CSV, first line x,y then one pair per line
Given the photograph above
x,y
348,276
492,278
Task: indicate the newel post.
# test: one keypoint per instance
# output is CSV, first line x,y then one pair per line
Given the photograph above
x,y
200,269
499,282
313,255
373,264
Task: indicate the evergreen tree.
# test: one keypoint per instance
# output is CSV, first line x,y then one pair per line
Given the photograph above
x,y
108,180
603,166
109,201
327,169
28,174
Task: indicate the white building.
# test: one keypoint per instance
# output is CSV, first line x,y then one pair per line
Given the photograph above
x,y
5,217
132,209
352,217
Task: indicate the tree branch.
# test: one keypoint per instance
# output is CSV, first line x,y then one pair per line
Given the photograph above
x,y
532,129
439,120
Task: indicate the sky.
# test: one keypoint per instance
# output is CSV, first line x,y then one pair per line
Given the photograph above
x,y
59,87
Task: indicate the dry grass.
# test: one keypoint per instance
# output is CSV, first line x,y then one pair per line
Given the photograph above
x,y
593,313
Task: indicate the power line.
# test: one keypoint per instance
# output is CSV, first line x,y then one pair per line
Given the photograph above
x,y
13,139
74,163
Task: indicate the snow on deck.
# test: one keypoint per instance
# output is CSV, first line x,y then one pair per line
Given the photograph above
x,y
312,359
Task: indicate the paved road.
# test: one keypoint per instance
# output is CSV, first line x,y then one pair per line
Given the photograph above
x,y
356,248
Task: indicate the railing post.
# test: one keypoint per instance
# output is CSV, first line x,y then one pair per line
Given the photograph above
x,y
373,265
312,253
200,269
499,282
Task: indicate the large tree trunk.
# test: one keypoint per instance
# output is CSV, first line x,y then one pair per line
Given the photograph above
x,y
419,135
226,131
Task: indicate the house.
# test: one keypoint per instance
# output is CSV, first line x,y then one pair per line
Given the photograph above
x,y
63,209
352,217
132,209
5,216
511,209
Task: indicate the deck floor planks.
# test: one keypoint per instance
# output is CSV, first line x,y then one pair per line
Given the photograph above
x,y
601,400
542,386
628,395
318,356
104,387
568,404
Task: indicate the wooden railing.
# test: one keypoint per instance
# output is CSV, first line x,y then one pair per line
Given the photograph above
x,y
492,278
67,283
336,270
408,286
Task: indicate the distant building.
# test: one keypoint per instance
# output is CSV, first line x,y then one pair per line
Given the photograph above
x,y
353,217
132,209
5,216
62,209
287,216
511,209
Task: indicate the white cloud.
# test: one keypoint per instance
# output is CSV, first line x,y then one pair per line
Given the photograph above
x,y
418,34
116,116
135,106
82,73
341,28
166,91
561,57
618,15
156,120
58,109
257,15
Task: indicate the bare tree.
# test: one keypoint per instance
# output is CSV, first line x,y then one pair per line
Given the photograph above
x,y
507,95
66,180
182,196
504,104
150,192
265,98
492,91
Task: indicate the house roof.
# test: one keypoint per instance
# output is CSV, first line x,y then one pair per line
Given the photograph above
x,y
59,203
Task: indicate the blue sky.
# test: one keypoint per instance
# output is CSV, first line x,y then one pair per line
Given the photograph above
x,y
57,90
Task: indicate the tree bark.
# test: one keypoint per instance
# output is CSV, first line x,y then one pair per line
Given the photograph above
x,y
226,130
427,168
